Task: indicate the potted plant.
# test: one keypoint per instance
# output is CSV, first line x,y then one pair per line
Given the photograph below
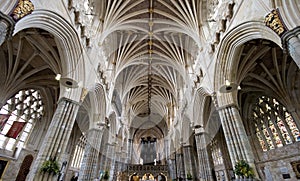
x,y
105,175
189,176
243,169
50,166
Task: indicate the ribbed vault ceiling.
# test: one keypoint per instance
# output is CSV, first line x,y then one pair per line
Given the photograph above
x,y
150,46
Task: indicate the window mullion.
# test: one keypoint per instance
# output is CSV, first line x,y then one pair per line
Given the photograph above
x,y
33,123
287,127
274,121
266,123
5,142
260,128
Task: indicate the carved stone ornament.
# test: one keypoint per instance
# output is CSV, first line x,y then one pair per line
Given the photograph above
x,y
212,6
274,22
6,27
23,8
83,94
296,168
144,169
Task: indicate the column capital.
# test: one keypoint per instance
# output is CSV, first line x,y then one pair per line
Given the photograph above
x,y
228,106
187,146
199,130
94,129
68,100
111,144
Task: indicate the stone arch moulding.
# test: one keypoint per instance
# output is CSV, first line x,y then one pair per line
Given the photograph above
x,y
113,126
72,54
186,130
290,13
200,98
226,63
7,6
98,99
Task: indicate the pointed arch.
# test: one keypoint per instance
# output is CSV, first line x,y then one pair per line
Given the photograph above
x,y
200,98
72,55
226,63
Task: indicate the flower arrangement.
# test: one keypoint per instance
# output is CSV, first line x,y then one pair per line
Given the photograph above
x,y
50,166
189,176
106,175
243,169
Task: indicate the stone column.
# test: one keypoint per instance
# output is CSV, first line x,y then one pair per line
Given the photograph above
x,y
148,152
103,156
118,164
180,164
56,138
172,166
89,166
110,160
291,43
143,152
205,166
115,172
153,151
129,151
187,156
166,151
7,26
235,135
123,161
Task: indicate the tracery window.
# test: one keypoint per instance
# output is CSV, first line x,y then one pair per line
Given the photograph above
x,y
79,152
274,125
22,111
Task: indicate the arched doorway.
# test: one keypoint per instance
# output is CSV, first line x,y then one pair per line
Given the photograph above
x,y
25,168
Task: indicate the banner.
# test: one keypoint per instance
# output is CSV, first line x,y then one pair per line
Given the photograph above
x,y
3,120
15,129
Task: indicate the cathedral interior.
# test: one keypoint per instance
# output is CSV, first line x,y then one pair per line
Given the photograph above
x,y
149,90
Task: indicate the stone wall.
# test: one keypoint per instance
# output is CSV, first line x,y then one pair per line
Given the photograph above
x,y
14,165
274,163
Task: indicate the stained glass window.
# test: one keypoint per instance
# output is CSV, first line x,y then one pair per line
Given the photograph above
x,y
26,107
274,125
